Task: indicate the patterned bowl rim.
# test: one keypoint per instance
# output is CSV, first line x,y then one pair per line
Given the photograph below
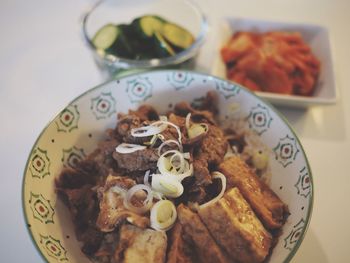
x,y
155,72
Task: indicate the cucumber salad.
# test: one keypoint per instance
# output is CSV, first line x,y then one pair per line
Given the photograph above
x,y
146,37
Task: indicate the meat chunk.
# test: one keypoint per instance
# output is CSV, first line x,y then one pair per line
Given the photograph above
x,y
210,153
146,113
233,224
203,110
210,103
124,126
141,160
140,245
265,203
83,206
180,251
112,210
207,250
103,157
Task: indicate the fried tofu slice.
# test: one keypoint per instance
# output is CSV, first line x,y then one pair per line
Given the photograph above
x,y
180,249
206,248
234,226
140,245
265,203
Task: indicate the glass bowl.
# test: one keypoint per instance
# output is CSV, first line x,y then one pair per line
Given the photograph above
x,y
185,13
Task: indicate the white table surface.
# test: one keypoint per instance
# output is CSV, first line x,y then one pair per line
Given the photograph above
x,y
44,64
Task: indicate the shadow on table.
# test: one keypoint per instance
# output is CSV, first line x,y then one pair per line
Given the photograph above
x,y
318,122
311,250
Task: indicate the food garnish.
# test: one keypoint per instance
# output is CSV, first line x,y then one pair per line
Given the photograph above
x,y
138,191
217,175
163,215
129,147
173,166
196,129
167,185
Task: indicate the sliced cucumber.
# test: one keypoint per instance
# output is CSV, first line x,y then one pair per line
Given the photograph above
x,y
161,47
147,37
111,39
105,37
177,36
147,25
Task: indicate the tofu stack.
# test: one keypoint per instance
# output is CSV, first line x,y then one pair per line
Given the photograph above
x,y
266,204
236,228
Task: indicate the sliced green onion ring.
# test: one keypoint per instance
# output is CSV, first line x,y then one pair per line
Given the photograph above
x,y
187,121
222,177
167,185
169,142
129,148
146,178
146,131
177,161
166,166
147,203
195,129
163,123
163,215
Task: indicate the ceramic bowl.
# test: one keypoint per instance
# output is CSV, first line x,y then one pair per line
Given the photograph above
x,y
317,37
75,131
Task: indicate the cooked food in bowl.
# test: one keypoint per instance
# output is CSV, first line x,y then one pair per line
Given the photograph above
x,y
161,209
172,187
276,61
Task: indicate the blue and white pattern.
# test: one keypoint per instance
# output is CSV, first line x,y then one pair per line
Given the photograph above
x,y
103,106
286,150
180,80
259,119
68,119
76,131
139,89
227,89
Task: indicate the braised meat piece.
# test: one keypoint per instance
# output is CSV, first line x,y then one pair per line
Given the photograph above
x,y
235,227
183,108
210,153
80,200
207,250
141,160
204,111
72,179
209,103
127,122
112,210
146,113
265,203
83,206
103,157
140,245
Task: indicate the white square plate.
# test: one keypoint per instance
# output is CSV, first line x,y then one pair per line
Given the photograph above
x,y
316,37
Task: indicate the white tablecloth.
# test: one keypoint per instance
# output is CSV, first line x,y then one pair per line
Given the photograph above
x,y
44,64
